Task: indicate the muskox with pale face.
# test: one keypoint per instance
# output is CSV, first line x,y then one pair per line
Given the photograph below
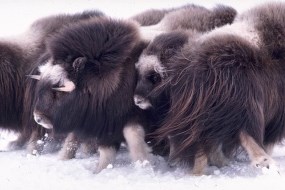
x,y
155,62
227,88
87,86
17,59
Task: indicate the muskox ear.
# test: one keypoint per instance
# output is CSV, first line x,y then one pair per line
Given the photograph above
x,y
79,64
37,77
68,86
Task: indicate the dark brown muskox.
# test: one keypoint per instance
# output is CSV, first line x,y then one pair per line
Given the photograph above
x,y
192,17
87,86
17,59
154,16
228,89
153,64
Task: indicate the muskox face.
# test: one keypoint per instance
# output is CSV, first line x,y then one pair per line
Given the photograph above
x,y
53,86
153,65
150,74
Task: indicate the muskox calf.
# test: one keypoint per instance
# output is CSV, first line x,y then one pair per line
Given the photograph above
x,y
87,86
228,89
17,59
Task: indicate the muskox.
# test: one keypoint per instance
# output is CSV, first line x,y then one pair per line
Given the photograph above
x,y
17,59
227,88
192,17
87,85
154,16
154,63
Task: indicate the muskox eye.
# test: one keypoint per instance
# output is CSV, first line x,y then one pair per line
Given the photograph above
x,y
155,78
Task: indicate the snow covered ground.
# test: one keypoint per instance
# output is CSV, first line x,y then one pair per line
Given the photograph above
x,y
21,171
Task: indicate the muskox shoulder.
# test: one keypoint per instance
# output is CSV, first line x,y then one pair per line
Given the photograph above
x,y
99,40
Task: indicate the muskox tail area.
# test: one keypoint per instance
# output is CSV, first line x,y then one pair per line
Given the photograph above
x,y
214,95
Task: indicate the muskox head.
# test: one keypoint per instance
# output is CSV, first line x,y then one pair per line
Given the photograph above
x,y
85,64
153,66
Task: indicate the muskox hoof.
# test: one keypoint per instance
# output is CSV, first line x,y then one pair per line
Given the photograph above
x,y
66,155
265,162
35,148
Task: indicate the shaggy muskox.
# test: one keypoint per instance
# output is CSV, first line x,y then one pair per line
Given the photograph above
x,y
154,62
17,59
87,86
226,87
154,16
192,17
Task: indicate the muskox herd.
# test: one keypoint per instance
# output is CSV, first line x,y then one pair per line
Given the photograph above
x,y
189,83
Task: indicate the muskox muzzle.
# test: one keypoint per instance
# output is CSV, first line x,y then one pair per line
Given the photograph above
x,y
42,120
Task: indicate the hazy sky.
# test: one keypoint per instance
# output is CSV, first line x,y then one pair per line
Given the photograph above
x,y
16,15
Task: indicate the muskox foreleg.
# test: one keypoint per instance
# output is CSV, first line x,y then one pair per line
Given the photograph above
x,y
217,158
107,155
200,164
135,138
259,158
89,146
69,148
33,146
269,148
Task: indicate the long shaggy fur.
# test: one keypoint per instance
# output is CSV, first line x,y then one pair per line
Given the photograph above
x,y
225,84
155,61
102,102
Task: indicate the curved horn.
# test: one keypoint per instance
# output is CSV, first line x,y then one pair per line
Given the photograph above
x,y
37,77
69,86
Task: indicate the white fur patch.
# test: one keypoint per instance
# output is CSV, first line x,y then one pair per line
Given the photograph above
x,y
54,73
244,30
148,63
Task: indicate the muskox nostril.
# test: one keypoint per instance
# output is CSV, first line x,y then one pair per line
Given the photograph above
x,y
38,120
138,100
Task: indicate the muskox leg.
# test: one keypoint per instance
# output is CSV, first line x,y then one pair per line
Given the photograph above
x,y
89,146
135,138
200,164
70,147
18,143
217,158
107,156
33,147
257,155
269,148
